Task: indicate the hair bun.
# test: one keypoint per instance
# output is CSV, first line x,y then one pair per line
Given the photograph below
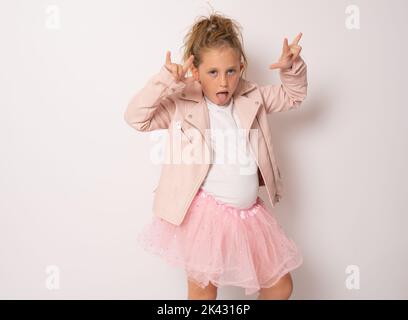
x,y
213,32
211,27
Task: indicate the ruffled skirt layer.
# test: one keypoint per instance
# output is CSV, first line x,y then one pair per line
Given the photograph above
x,y
224,245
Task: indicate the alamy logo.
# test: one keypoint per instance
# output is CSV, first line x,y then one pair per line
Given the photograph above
x,y
188,146
52,281
353,279
353,18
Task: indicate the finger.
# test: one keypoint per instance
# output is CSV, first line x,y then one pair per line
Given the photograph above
x,y
285,46
296,53
295,56
295,49
175,76
174,72
179,72
168,58
188,63
275,65
296,41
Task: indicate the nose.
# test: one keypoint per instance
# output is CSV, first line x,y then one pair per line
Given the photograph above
x,y
223,81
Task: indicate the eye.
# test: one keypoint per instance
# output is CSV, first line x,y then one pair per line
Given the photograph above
x,y
232,71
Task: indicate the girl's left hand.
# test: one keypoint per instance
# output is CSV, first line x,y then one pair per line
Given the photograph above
x,y
289,54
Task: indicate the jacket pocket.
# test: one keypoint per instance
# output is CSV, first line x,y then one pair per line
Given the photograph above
x,y
180,125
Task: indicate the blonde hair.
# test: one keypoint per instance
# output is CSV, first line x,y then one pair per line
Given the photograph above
x,y
213,32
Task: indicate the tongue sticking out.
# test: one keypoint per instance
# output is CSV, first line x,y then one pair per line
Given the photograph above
x,y
222,97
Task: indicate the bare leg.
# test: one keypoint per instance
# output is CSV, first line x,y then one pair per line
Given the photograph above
x,y
280,291
195,292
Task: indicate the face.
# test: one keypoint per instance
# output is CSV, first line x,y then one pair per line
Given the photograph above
x,y
219,71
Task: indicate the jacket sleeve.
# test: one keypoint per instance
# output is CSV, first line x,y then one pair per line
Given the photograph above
x,y
152,107
291,92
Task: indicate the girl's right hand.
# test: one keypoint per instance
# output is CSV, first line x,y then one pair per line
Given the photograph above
x,y
179,71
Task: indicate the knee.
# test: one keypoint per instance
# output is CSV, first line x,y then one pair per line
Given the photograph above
x,y
196,292
282,290
202,296
287,290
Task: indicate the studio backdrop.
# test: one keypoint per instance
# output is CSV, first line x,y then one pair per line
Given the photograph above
x,y
77,181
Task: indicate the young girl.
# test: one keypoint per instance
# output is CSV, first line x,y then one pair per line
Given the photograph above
x,y
208,217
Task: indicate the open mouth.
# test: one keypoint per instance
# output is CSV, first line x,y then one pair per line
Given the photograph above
x,y
222,94
222,97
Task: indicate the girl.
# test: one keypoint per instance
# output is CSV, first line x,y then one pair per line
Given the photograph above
x,y
208,217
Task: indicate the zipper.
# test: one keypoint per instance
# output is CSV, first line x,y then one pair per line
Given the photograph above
x,y
208,121
273,172
197,186
263,176
185,134
256,159
193,194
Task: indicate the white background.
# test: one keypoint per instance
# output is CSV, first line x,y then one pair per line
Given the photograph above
x,y
76,181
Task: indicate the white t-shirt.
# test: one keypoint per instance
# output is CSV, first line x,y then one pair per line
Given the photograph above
x,y
233,174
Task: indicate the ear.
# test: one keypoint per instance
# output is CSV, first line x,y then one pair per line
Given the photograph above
x,y
242,67
195,74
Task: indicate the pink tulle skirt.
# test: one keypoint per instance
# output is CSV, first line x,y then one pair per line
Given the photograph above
x,y
224,245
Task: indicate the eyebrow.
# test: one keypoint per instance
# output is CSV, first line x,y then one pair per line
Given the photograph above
x,y
232,67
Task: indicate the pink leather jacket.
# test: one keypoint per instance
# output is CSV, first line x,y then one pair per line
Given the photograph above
x,y
181,109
